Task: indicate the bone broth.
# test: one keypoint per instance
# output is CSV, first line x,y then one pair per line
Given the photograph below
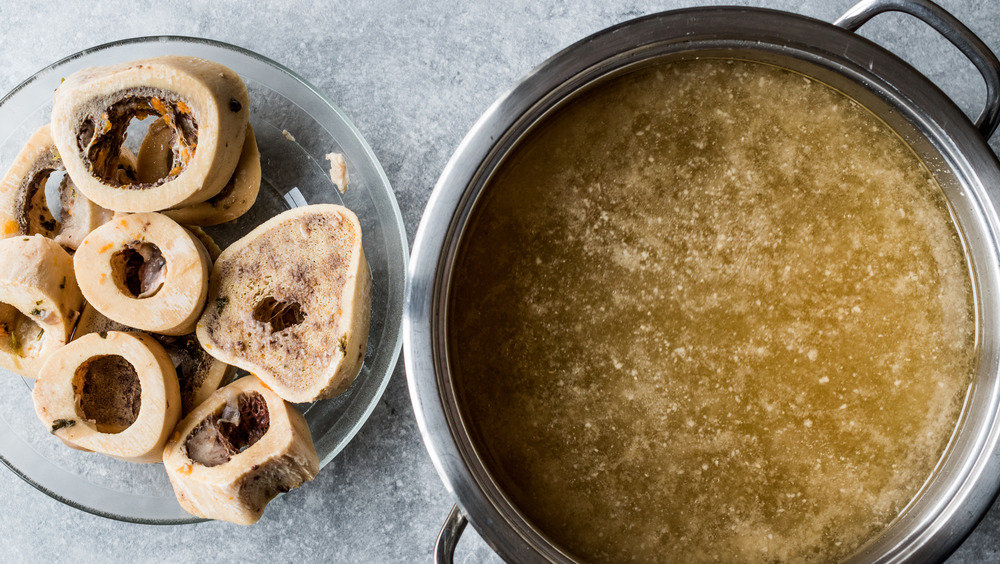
x,y
711,310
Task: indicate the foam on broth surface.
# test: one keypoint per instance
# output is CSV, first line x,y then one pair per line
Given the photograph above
x,y
712,310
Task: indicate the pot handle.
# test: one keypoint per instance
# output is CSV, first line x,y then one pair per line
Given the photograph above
x,y
952,30
444,548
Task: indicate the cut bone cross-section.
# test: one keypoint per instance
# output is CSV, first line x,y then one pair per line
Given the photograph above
x,y
145,271
213,249
235,199
237,451
204,104
113,393
39,302
23,206
290,302
198,373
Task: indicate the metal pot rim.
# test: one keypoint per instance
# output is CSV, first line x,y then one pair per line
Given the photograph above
x,y
934,533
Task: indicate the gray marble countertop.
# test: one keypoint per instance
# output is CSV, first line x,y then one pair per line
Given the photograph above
x,y
413,77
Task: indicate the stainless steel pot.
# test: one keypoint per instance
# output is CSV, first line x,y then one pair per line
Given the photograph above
x,y
967,478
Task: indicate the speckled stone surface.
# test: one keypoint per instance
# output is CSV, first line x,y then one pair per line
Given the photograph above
x,y
413,77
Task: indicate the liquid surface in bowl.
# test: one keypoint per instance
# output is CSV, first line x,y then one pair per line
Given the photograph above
x,y
711,310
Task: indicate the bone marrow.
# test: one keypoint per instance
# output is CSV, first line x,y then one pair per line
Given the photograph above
x,y
145,271
198,373
142,269
39,302
112,393
191,96
109,392
221,436
290,302
237,451
24,209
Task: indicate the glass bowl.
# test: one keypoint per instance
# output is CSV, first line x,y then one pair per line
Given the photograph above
x,y
296,126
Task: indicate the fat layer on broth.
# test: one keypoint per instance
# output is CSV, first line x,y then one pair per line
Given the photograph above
x,y
712,310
